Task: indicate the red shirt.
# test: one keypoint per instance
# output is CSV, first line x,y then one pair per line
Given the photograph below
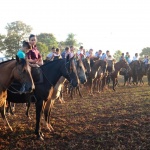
x,y
33,53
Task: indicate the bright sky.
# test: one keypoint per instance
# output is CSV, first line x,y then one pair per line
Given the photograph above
x,y
99,24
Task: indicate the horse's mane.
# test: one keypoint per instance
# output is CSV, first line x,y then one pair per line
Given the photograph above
x,y
51,62
56,61
6,61
23,61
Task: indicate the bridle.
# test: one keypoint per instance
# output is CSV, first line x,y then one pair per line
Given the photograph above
x,y
21,76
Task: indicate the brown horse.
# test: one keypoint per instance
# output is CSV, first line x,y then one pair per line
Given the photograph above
x,y
86,63
102,78
117,67
13,69
137,71
93,74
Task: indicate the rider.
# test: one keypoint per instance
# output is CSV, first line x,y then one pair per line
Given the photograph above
x,y
80,53
98,54
57,54
25,48
135,57
33,55
127,56
105,56
50,56
71,51
122,57
65,52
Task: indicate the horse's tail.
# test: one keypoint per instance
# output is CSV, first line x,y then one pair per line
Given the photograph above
x,y
48,103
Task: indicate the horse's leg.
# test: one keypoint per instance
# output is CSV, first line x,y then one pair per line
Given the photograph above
x,y
124,80
114,84
2,111
61,98
27,110
39,105
8,106
49,115
47,111
78,88
104,83
71,93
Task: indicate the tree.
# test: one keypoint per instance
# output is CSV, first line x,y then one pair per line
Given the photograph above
x,y
43,49
71,41
48,39
16,32
145,51
117,55
2,37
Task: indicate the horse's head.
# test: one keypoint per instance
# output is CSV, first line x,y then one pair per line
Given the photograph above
x,y
103,65
122,64
81,71
22,73
142,67
86,63
70,71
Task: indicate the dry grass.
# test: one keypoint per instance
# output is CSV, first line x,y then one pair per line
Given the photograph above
x,y
111,120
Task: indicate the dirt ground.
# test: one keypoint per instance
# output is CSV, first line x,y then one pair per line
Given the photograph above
x,y
110,120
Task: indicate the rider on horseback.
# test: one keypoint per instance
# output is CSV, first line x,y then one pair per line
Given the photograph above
x,y
25,48
35,59
34,56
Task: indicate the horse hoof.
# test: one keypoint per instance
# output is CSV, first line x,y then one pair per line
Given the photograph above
x,y
11,129
41,134
29,117
40,138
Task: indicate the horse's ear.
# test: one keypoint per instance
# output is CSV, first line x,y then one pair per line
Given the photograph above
x,y
17,58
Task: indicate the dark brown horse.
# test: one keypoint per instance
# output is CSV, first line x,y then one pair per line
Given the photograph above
x,y
117,67
102,78
51,72
93,74
137,71
86,63
13,69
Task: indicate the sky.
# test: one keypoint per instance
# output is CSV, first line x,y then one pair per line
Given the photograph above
x,y
99,24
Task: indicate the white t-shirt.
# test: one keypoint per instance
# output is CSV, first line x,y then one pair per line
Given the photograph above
x,y
50,55
135,58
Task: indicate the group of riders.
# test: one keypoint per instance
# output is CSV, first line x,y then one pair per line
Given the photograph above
x,y
29,51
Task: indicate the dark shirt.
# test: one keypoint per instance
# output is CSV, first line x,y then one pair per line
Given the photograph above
x,y
33,54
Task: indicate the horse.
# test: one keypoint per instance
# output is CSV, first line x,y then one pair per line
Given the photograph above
x,y
81,75
102,78
148,74
117,67
93,74
51,72
9,70
58,92
137,71
86,63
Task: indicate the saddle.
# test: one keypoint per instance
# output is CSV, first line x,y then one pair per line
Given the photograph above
x,y
37,75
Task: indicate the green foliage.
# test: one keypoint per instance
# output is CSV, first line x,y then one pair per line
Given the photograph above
x,y
117,55
2,37
16,32
18,28
71,41
145,51
48,39
11,45
43,49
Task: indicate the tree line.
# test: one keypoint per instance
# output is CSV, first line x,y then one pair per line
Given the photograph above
x,y
18,31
